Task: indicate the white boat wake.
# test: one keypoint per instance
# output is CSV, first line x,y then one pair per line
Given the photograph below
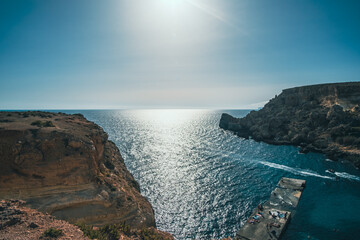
x,y
347,176
297,171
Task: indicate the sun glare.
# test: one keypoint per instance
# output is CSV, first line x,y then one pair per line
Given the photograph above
x,y
173,2
166,24
166,116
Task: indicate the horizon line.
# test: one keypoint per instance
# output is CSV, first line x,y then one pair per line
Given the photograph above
x,y
109,109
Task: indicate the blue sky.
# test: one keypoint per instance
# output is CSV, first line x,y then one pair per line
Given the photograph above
x,y
89,54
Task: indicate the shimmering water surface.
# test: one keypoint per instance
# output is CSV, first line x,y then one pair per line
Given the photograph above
x,y
203,181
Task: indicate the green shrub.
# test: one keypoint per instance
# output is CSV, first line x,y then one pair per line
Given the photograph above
x,y
79,115
49,124
90,232
149,234
108,232
52,233
42,124
111,231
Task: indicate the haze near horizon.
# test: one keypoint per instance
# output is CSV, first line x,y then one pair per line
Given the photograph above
x,y
171,53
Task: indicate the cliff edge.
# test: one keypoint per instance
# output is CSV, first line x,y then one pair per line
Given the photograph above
x,y
18,222
322,118
65,165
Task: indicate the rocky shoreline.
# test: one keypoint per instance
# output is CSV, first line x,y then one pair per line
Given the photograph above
x,y
65,165
321,118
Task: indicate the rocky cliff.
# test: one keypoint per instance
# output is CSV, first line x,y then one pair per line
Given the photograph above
x,y
321,118
66,166
18,222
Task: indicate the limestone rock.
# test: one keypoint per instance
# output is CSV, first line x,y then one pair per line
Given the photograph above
x,y
18,222
323,118
69,169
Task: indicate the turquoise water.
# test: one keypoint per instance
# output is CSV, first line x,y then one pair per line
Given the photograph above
x,y
203,181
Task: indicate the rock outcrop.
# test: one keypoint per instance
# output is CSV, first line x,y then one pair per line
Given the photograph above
x,y
65,165
322,118
18,222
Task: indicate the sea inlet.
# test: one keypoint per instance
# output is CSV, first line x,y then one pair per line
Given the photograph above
x,y
204,182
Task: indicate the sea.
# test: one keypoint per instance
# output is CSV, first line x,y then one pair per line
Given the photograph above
x,y
203,182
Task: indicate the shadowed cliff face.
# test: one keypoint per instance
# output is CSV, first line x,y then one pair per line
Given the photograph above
x,y
322,118
66,166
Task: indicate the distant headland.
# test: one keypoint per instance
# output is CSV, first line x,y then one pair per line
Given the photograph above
x,y
321,118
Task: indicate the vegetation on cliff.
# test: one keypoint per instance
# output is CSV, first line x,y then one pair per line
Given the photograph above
x,y
123,231
18,222
321,118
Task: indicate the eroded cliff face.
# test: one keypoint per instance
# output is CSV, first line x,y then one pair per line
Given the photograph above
x,y
322,118
66,166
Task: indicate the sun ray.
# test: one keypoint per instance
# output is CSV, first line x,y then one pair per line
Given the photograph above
x,y
215,14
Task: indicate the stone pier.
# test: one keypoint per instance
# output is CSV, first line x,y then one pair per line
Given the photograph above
x,y
270,220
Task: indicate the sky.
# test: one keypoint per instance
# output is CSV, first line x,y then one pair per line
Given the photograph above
x,y
116,54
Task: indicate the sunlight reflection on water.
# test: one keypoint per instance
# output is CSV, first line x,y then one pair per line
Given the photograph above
x,y
203,181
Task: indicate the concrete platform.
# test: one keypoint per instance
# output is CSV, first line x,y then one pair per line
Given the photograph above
x,y
270,221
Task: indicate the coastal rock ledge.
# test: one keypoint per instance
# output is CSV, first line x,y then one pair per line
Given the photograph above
x,y
321,118
65,165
